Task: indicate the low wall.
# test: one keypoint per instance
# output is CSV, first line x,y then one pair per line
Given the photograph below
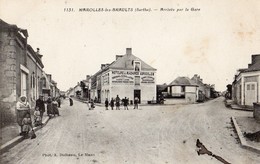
x,y
256,113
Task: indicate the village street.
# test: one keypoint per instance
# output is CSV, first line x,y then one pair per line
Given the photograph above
x,y
152,134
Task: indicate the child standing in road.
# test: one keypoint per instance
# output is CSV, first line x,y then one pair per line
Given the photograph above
x,y
27,124
37,117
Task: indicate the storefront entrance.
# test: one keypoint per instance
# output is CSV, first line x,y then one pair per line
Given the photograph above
x,y
137,93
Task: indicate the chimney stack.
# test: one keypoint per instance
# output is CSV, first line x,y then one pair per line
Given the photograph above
x,y
128,51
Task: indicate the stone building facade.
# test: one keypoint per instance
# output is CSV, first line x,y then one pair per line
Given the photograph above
x,y
21,69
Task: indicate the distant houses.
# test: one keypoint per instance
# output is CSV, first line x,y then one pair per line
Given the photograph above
x,y
245,87
186,90
183,87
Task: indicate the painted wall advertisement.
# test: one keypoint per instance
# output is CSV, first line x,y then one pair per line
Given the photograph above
x,y
127,77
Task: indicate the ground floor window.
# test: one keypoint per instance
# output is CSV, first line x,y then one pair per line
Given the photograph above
x,y
23,83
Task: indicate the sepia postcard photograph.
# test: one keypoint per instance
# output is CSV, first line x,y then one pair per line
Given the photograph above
x,y
129,82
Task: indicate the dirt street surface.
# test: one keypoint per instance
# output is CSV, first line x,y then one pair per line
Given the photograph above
x,y
153,134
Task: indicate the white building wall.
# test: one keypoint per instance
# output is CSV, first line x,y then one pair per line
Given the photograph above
x,y
122,83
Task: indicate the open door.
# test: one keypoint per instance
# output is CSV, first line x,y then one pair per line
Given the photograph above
x,y
137,93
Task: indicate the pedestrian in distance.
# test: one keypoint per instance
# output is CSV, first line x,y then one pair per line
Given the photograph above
x,y
40,105
106,104
71,101
125,102
117,103
136,101
22,109
112,103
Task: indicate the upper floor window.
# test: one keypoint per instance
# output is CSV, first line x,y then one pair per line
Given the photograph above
x,y
44,82
137,66
137,80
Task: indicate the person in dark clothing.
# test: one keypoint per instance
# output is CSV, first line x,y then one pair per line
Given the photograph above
x,y
58,101
41,106
71,101
112,104
106,104
117,103
125,102
136,101
49,107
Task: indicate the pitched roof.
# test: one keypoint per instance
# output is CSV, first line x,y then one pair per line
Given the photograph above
x,y
126,62
161,87
182,81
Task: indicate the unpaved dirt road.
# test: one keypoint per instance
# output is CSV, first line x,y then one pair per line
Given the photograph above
x,y
153,134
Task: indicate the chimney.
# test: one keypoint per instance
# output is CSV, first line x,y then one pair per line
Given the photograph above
x,y
102,66
255,58
128,51
38,53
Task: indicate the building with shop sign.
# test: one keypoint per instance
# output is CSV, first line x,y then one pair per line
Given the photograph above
x,y
128,76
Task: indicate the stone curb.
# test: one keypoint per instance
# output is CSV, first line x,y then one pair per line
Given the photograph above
x,y
242,109
242,139
19,139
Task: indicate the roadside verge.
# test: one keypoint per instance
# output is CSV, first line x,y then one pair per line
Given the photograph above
x,y
242,139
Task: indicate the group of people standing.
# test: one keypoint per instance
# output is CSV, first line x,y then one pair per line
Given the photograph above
x,y
25,112
117,102
52,106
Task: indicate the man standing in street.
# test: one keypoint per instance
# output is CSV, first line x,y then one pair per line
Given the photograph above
x,y
40,105
125,102
117,103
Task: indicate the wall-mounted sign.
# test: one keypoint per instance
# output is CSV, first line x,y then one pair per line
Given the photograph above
x,y
147,79
136,73
106,79
122,79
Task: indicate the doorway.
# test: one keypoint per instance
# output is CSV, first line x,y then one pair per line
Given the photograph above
x,y
250,93
137,93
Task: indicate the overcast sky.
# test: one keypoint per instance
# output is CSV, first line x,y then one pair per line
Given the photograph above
x,y
213,42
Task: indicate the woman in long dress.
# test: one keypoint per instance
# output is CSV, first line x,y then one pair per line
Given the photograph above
x,y
22,108
55,107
